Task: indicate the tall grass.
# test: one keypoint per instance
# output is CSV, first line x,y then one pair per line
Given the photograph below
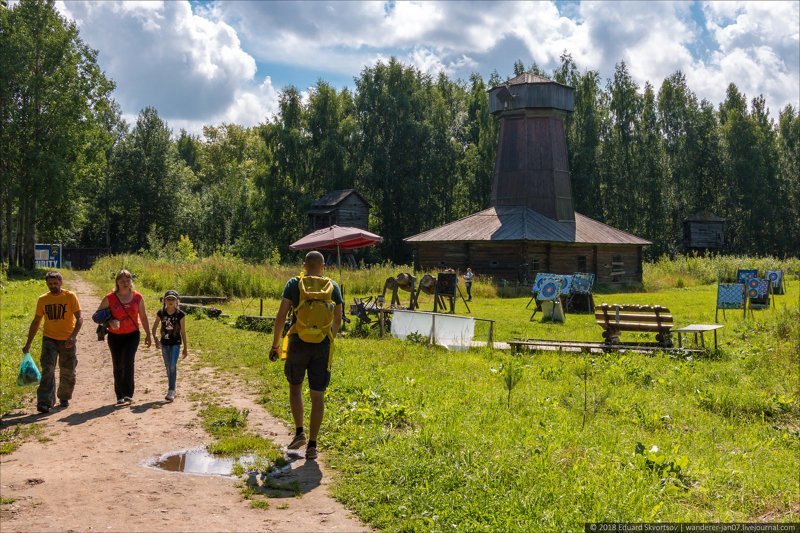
x,y
691,270
221,275
224,275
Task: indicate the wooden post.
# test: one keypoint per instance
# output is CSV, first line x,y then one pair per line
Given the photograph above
x,y
490,343
261,307
380,321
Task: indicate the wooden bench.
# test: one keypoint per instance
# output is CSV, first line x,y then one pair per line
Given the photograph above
x,y
615,319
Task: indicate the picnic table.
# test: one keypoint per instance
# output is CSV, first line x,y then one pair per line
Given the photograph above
x,y
698,328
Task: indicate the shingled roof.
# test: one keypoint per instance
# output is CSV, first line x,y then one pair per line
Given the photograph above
x,y
517,223
527,77
334,198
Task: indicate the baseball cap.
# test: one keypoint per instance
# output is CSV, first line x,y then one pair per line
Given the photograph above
x,y
171,294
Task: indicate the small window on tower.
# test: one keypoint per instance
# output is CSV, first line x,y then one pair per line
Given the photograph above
x,y
535,265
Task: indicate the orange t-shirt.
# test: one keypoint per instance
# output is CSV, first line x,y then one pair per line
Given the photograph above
x,y
58,311
127,314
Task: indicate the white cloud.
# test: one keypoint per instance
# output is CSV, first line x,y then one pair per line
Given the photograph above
x,y
654,38
759,51
192,69
198,67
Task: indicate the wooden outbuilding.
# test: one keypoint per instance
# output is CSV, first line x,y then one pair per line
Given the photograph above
x,y
342,208
83,258
531,225
704,232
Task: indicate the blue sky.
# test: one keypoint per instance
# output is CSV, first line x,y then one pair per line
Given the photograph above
x,y
206,62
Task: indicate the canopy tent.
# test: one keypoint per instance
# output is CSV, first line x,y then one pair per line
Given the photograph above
x,y
337,238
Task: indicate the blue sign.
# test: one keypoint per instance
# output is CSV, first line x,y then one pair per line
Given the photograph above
x,y
47,255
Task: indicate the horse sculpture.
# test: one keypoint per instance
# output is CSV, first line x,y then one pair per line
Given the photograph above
x,y
403,281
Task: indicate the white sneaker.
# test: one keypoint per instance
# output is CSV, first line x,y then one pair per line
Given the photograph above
x,y
170,395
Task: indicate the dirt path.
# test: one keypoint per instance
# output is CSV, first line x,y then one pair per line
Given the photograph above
x,y
90,476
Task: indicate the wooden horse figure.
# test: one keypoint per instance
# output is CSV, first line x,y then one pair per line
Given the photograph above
x,y
405,282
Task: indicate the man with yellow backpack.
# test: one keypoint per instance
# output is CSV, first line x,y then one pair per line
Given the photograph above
x,y
316,305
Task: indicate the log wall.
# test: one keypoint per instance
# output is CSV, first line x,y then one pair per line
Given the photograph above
x,y
515,261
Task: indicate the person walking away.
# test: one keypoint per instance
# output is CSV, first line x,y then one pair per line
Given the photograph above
x,y
316,305
173,334
468,275
127,308
62,322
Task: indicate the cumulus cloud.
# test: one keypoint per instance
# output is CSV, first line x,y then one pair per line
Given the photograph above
x,y
197,64
758,50
191,68
655,39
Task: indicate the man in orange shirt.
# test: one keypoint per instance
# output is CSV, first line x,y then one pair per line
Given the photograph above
x,y
62,313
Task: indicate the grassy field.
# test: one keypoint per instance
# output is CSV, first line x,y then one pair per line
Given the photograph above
x,y
18,294
426,439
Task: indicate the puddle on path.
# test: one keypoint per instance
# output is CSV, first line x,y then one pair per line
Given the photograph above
x,y
197,461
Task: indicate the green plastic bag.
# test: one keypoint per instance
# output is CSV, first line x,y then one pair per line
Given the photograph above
x,y
28,373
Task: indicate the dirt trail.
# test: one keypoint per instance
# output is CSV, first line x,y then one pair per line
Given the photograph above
x,y
90,475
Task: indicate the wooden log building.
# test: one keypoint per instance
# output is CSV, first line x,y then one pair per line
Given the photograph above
x,y
342,208
704,232
531,225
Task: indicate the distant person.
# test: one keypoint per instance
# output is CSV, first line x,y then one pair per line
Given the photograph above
x,y
127,308
62,322
316,305
468,275
173,335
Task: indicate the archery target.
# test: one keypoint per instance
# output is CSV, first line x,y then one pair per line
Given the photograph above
x,y
550,289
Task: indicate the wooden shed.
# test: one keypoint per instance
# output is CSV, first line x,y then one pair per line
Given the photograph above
x,y
704,232
83,258
343,208
531,225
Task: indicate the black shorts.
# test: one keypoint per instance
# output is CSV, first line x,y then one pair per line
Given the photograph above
x,y
302,356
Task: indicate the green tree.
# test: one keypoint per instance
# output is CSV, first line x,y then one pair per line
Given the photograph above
x,y
619,173
329,138
786,196
739,141
51,99
283,184
653,196
391,107
583,128
149,185
476,165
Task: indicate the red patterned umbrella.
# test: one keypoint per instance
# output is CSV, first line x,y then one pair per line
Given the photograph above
x,y
337,238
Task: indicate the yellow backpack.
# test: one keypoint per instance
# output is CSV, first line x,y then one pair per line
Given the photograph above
x,y
314,313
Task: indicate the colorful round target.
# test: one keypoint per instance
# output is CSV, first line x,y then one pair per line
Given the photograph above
x,y
753,283
772,276
549,289
752,293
